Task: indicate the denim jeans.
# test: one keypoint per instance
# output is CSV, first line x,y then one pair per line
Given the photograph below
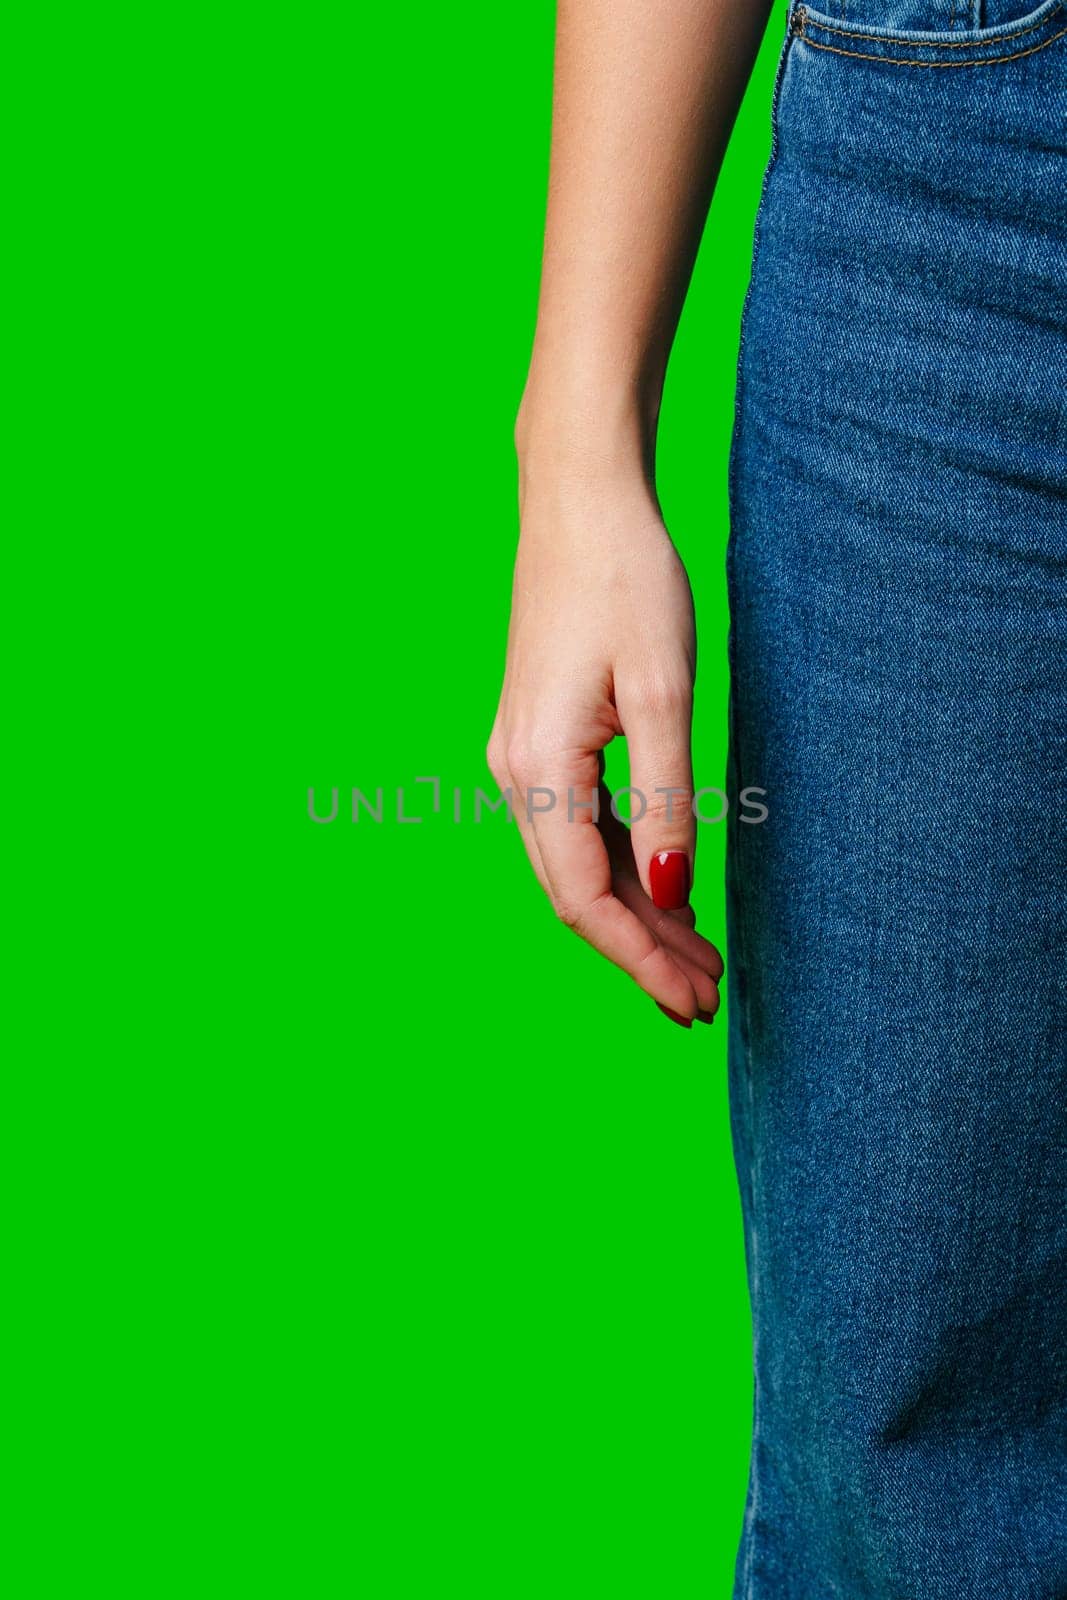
x,y
898,925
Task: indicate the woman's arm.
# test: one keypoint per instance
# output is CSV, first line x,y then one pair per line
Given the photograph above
x,y
602,639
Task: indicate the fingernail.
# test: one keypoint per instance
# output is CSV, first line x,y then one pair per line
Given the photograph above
x,y
683,1022
668,877
706,1016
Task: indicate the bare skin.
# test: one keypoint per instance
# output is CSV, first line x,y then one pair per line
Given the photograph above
x,y
602,639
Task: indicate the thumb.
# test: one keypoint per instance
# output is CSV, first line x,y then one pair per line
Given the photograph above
x,y
658,729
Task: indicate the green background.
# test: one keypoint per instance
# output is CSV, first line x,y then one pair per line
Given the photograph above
x,y
386,1241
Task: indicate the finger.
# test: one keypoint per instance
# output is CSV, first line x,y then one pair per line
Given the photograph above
x,y
500,768
676,929
578,868
687,917
529,837
667,928
696,957
678,926
656,715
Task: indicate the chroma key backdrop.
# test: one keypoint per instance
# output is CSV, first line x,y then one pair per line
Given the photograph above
x,y
394,1242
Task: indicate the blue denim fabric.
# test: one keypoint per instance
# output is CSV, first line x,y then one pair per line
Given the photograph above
x,y
898,925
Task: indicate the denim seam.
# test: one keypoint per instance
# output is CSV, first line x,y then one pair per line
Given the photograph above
x,y
899,42
902,61
734,530
745,1577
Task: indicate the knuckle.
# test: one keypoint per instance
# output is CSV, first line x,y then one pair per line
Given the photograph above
x,y
494,755
581,917
520,760
650,960
529,759
569,914
665,694
670,803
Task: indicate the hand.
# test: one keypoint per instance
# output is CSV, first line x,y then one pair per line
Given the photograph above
x,y
602,642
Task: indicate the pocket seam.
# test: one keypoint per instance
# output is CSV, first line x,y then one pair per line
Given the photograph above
x,y
899,41
903,61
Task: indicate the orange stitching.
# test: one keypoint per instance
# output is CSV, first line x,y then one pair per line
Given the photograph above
x,y
902,61
920,44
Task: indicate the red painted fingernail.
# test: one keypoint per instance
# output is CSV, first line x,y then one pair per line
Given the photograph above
x,y
706,1016
683,1022
668,876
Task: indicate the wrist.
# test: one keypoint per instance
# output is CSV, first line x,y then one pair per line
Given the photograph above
x,y
585,430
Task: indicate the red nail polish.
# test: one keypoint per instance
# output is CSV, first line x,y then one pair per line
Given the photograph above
x,y
668,876
683,1022
706,1016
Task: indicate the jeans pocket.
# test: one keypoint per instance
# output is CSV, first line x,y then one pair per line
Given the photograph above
x,y
948,48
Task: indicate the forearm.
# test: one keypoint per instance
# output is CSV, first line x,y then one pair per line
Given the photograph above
x,y
645,98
